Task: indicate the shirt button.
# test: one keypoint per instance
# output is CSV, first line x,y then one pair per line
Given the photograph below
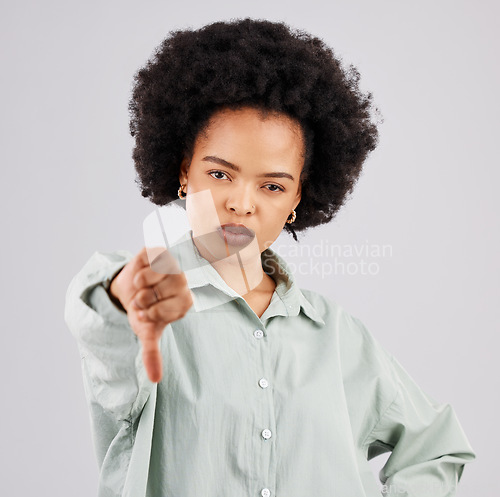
x,y
263,383
265,492
258,333
266,434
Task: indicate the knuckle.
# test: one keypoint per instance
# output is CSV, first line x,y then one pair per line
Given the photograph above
x,y
141,297
140,279
179,312
137,280
180,280
153,313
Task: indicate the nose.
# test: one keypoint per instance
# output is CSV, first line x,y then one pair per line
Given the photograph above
x,y
241,202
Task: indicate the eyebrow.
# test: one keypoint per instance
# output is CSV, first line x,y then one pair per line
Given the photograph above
x,y
234,167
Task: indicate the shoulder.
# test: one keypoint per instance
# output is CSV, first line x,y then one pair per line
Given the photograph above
x,y
357,345
333,312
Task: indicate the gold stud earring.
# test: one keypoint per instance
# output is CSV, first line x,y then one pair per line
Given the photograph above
x,y
294,216
180,191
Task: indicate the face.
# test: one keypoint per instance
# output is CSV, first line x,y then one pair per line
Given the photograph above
x,y
245,170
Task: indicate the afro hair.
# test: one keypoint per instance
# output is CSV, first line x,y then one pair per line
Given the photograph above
x,y
261,64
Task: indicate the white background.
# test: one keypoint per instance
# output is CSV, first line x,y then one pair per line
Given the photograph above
x,y
429,191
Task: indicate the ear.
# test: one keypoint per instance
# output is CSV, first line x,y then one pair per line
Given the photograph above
x,y
184,169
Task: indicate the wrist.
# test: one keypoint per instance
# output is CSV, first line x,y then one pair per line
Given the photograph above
x,y
111,293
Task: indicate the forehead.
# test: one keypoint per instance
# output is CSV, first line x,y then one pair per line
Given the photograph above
x,y
250,133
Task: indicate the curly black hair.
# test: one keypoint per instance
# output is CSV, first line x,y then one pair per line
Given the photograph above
x,y
261,64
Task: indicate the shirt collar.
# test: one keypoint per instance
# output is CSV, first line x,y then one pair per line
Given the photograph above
x,y
287,299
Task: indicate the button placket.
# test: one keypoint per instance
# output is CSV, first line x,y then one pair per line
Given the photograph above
x,y
263,383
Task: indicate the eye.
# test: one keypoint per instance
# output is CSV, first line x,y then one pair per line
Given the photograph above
x,y
217,172
276,188
222,175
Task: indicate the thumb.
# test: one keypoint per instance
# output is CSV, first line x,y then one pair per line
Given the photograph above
x,y
151,357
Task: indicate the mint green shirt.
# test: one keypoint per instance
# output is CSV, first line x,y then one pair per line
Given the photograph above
x,y
291,404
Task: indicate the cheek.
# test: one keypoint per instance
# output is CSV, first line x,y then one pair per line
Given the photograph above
x,y
205,189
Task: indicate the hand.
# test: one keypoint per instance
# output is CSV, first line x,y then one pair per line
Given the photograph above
x,y
148,316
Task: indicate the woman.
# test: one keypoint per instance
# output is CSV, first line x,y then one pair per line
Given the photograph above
x,y
264,389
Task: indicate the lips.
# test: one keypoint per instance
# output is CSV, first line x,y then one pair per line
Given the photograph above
x,y
236,235
238,229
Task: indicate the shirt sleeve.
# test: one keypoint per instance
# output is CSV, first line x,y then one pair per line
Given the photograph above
x,y
115,382
428,445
